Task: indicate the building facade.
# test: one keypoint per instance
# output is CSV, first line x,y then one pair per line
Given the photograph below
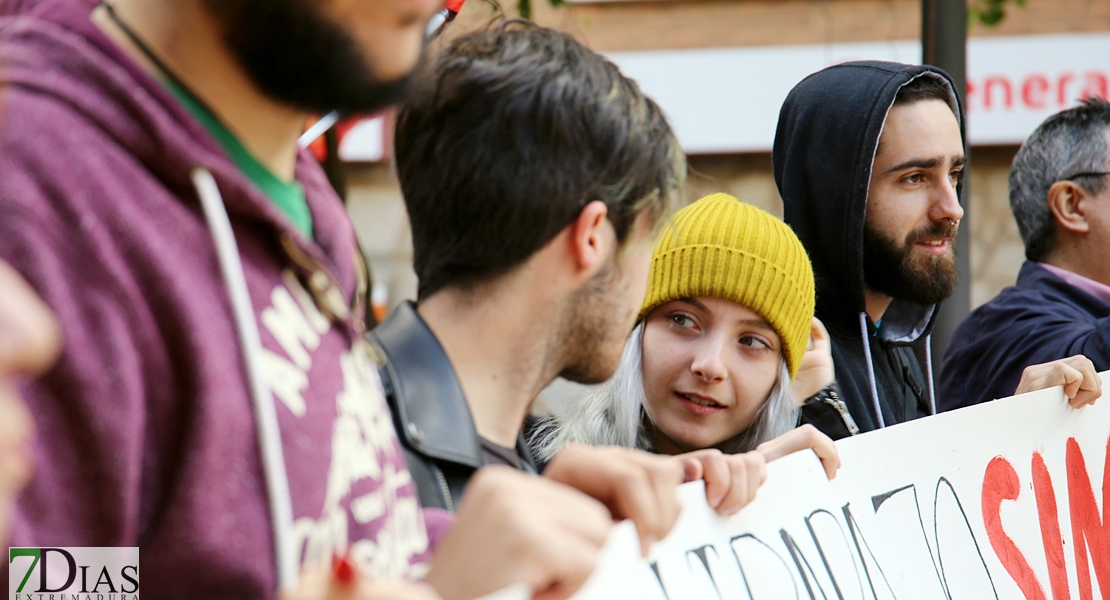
x,y
720,69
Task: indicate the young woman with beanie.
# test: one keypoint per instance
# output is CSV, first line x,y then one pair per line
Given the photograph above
x,y
722,335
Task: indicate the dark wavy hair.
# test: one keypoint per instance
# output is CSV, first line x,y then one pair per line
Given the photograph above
x,y
508,135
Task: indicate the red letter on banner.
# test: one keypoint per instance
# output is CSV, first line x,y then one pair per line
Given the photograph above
x,y
1000,482
1088,529
1050,529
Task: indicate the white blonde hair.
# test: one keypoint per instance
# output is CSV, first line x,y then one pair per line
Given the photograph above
x,y
612,413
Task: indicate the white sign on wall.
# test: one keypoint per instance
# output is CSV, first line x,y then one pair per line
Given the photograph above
x,y
727,100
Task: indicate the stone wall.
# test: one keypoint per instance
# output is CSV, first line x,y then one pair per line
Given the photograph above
x,y
996,250
623,25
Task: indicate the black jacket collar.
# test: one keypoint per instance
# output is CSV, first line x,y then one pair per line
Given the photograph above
x,y
433,415
1033,276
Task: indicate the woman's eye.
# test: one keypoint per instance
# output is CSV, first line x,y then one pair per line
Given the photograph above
x,y
753,342
681,320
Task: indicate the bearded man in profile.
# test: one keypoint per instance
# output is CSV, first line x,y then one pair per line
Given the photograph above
x,y
215,405
869,158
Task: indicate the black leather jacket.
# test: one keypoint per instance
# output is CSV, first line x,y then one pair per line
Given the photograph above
x,y
429,409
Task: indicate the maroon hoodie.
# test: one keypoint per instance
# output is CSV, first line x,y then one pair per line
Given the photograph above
x,y
146,432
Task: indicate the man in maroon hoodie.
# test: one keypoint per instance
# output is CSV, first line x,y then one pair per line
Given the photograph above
x,y
214,403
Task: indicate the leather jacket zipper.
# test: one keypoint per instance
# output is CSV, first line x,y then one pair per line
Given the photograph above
x,y
444,489
830,397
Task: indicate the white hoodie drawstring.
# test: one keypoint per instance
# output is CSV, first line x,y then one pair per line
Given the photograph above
x,y
871,369
269,434
929,373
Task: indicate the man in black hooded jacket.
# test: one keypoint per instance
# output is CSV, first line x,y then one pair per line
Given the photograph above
x,y
868,158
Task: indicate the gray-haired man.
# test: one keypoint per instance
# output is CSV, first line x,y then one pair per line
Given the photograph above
x,y
1060,305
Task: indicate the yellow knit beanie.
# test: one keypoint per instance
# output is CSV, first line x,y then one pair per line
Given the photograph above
x,y
723,248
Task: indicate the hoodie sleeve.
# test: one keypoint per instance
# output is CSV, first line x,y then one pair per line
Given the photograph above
x,y
90,410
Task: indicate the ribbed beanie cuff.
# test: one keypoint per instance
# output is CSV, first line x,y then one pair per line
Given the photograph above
x,y
723,248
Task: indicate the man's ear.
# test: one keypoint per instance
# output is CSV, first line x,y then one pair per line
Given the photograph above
x,y
591,237
1066,200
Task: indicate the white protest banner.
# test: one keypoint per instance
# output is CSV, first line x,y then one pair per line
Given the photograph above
x,y
1009,499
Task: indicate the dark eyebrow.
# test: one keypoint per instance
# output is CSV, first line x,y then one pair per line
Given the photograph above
x,y
925,163
694,302
760,323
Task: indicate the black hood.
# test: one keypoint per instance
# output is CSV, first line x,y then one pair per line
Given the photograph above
x,y
825,144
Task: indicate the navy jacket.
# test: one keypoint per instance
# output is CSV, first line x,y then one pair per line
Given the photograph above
x,y
1041,318
828,133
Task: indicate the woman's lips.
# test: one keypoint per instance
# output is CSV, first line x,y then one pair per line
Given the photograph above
x,y
699,405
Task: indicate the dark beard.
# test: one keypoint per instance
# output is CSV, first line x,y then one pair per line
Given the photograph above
x,y
900,273
299,57
588,330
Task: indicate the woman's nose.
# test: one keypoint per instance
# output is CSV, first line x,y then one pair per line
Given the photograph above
x,y
708,364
